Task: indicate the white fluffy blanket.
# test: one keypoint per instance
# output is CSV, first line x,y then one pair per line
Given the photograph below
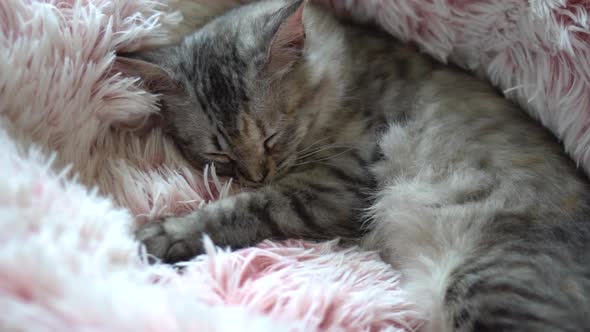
x,y
75,182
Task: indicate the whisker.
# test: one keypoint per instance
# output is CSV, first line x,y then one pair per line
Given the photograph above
x,y
282,163
302,156
312,144
329,146
321,149
323,159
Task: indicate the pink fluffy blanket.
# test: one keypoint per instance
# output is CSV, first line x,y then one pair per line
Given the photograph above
x,y
75,180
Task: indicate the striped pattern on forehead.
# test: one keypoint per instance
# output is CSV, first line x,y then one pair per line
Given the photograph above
x,y
218,74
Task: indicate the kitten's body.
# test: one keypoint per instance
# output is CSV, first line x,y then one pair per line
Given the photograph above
x,y
475,203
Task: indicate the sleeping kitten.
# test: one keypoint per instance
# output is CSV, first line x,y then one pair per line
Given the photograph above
x,y
474,203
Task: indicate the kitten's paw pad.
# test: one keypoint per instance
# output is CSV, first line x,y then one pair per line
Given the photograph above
x,y
163,244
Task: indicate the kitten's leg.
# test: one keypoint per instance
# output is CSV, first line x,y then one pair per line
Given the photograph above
x,y
321,202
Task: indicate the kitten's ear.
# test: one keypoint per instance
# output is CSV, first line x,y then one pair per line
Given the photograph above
x,y
288,40
153,77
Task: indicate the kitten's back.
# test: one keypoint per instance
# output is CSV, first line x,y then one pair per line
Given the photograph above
x,y
481,210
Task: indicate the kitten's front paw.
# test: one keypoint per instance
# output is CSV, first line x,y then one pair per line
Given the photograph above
x,y
170,240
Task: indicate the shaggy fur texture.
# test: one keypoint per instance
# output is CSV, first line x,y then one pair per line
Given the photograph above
x,y
67,259
535,51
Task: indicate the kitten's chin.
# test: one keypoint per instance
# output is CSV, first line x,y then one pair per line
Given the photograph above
x,y
247,184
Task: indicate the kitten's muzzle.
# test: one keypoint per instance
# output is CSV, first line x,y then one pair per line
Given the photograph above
x,y
259,174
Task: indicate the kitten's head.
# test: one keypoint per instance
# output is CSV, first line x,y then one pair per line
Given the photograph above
x,y
234,93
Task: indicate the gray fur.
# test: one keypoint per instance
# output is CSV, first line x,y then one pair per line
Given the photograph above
x,y
472,201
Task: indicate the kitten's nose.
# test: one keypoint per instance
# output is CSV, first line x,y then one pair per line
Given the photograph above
x,y
263,173
258,172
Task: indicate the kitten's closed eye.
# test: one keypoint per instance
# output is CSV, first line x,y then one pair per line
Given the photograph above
x,y
271,141
219,157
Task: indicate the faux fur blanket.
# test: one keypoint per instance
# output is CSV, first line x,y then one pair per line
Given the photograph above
x,y
76,179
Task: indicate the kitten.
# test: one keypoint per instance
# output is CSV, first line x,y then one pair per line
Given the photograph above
x,y
474,203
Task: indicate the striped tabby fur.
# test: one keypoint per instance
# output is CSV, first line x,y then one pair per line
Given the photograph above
x,y
327,123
